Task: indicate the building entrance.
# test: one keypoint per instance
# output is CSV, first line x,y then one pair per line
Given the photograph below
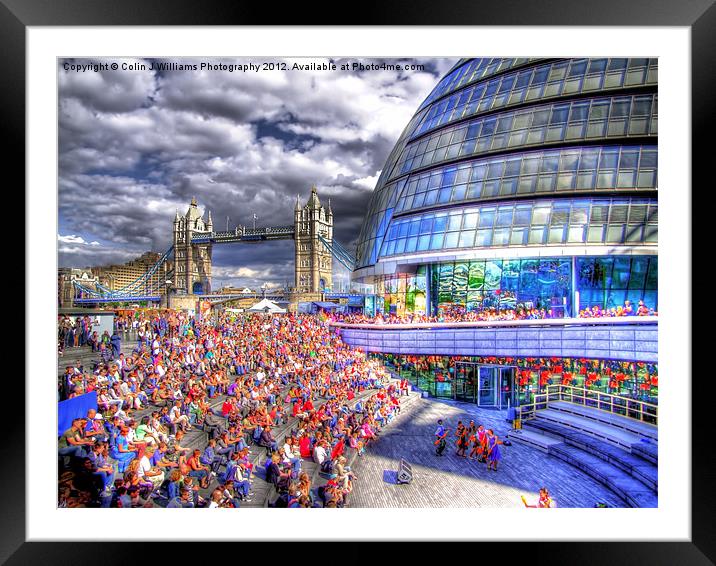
x,y
486,385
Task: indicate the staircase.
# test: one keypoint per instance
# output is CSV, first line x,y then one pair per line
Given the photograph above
x,y
619,452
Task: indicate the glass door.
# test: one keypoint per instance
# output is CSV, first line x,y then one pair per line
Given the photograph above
x,y
487,384
465,382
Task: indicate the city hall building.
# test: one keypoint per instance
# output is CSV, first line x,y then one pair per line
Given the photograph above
x,y
520,183
527,182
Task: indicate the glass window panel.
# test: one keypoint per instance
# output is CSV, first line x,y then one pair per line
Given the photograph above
x,y
400,246
615,234
556,234
478,172
455,220
487,217
536,136
495,170
527,185
508,186
412,244
617,128
626,179
634,233
617,64
608,159
599,110
501,237
588,159
540,117
550,163
576,234
647,179
518,237
605,180
474,190
451,239
559,114
490,188
414,228
545,183
648,159
423,242
540,215
470,221
512,167
651,234
459,193
597,65
596,129
467,237
620,107
483,238
430,198
522,215
440,223
504,216
595,234
426,225
652,277
537,235
436,242
444,195
585,181
530,165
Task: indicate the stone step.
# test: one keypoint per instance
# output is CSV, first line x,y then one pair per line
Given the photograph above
x,y
534,439
629,425
647,450
631,490
633,464
603,431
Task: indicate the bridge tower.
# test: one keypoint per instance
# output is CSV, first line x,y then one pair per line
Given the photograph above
x,y
314,262
192,262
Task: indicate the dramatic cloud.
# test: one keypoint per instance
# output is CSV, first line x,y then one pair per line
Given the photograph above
x,y
135,146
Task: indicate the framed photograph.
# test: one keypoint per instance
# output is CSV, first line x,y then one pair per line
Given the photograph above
x,y
473,205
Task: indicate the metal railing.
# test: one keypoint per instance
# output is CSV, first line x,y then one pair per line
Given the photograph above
x,y
615,404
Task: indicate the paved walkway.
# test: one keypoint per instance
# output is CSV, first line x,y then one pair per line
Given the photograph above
x,y
453,481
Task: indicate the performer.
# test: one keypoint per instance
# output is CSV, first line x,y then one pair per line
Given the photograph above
x,y
493,450
481,444
440,441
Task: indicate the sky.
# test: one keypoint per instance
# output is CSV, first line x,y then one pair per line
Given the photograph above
x,y
136,145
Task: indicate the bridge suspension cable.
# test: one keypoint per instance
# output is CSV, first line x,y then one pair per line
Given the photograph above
x,y
142,286
339,252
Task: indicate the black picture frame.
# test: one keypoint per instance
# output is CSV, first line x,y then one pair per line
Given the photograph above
x,y
698,15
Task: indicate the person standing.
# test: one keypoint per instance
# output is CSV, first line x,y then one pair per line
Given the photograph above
x,y
493,450
440,435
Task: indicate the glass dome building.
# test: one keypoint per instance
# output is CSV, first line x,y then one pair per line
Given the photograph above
x,y
520,182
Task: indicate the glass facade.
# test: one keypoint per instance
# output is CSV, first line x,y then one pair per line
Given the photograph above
x,y
521,182
577,121
472,378
534,283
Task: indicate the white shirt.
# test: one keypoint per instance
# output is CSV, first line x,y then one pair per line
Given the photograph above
x,y
319,454
144,466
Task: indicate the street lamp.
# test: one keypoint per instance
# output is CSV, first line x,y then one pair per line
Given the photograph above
x,y
168,284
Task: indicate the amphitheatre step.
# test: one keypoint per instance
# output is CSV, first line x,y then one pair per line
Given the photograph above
x,y
629,425
631,490
647,450
603,431
534,439
633,464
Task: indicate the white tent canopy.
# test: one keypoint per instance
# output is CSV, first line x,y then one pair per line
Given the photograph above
x,y
264,305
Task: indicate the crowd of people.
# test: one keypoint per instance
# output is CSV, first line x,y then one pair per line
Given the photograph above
x,y
455,314
237,380
626,310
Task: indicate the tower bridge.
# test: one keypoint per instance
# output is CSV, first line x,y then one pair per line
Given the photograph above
x,y
193,240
